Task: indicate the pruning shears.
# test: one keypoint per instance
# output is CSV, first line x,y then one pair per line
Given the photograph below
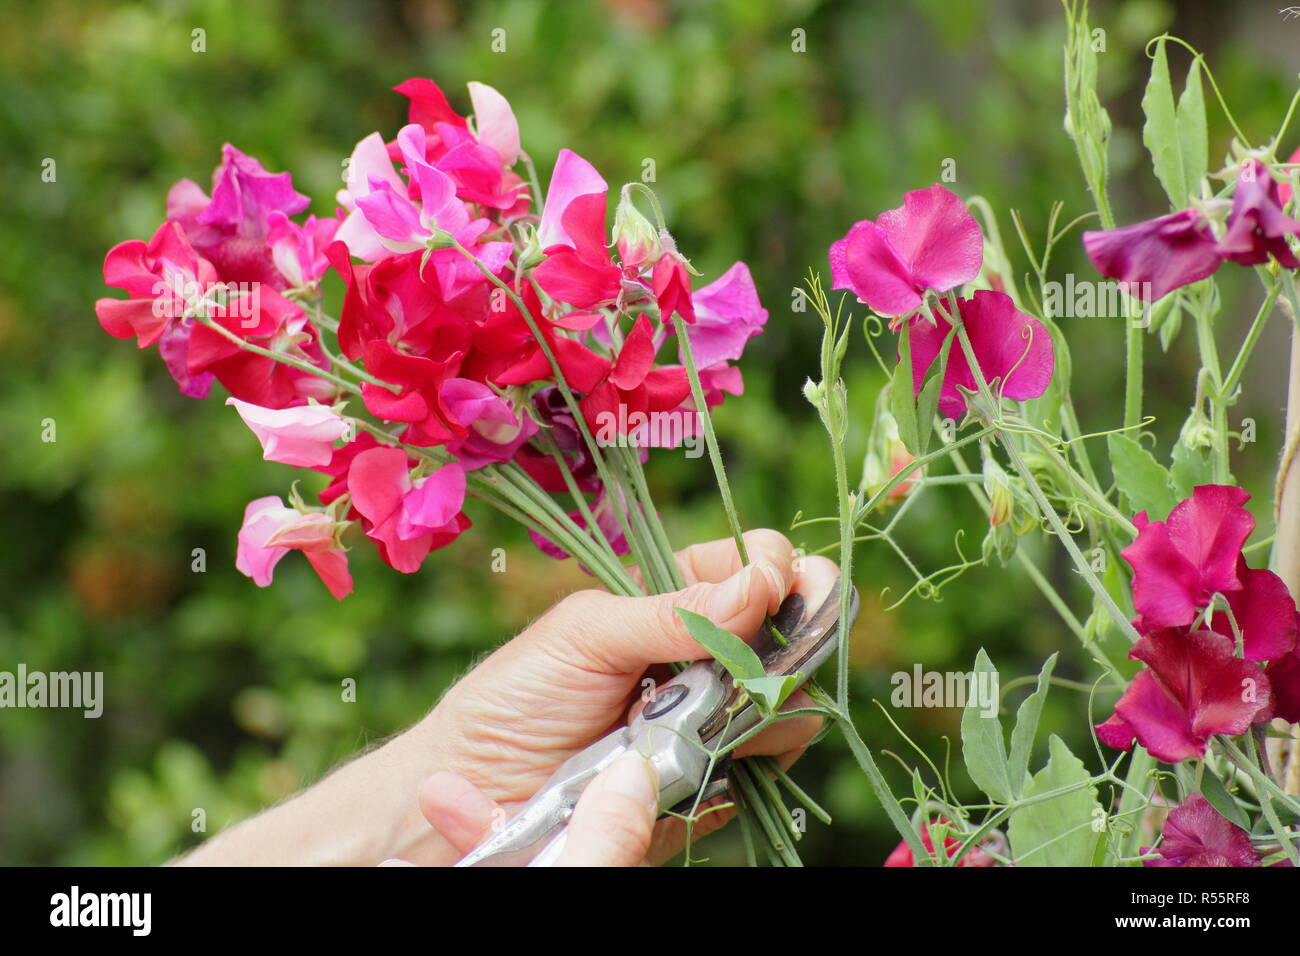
x,y
682,729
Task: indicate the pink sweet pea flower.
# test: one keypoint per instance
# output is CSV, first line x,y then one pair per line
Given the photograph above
x,y
1179,564
1010,346
728,314
573,177
299,251
578,268
1152,258
406,519
302,436
1265,614
495,428
271,530
495,122
1257,227
931,242
1192,688
1196,834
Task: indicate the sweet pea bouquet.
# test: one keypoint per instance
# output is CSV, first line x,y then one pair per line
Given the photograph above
x,y
497,342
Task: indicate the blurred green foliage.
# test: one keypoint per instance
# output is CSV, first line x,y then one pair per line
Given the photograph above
x,y
225,697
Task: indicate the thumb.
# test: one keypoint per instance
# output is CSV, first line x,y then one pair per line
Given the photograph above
x,y
614,820
625,634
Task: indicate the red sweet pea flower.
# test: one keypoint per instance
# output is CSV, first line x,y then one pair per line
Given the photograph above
x,y
1265,614
406,519
931,242
672,287
633,388
280,326
1196,834
1011,348
902,855
1179,564
1192,688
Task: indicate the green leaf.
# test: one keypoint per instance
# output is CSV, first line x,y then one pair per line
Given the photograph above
x,y
901,395
1190,467
1142,479
982,745
770,692
1213,790
734,654
1059,831
1193,138
1160,132
1022,735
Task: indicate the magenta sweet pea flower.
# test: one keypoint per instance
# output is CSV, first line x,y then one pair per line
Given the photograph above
x,y
1264,612
931,242
728,314
1284,678
271,530
496,429
302,436
406,519
1196,834
1152,258
1014,351
1179,564
1257,227
1192,688
607,521
231,227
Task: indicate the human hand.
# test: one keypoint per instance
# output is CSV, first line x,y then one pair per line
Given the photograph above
x,y
569,679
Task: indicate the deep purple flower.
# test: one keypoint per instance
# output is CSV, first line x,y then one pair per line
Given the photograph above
x,y
1196,834
1257,227
1152,258
1191,689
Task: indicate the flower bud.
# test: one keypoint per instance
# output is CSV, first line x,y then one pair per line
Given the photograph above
x,y
636,238
999,544
998,487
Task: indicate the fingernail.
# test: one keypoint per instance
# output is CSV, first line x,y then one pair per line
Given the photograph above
x,y
776,589
635,776
731,596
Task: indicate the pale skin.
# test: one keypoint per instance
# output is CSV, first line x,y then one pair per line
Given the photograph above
x,y
432,793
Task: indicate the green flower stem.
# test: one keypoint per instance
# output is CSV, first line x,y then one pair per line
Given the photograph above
x,y
632,468
1238,368
657,561
1044,505
1040,581
562,383
299,364
601,561
580,500
710,437
862,754
1218,409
